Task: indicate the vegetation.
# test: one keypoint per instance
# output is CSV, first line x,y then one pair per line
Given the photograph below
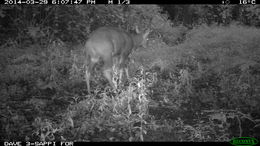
x,y
198,80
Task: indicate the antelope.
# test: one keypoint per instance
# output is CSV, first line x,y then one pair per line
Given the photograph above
x,y
112,45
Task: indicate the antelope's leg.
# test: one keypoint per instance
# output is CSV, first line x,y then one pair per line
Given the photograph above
x,y
121,71
88,72
108,75
87,77
123,67
127,73
107,69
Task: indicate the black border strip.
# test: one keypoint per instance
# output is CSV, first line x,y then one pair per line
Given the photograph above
x,y
125,2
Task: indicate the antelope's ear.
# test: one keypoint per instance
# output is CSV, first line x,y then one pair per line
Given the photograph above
x,y
136,29
147,32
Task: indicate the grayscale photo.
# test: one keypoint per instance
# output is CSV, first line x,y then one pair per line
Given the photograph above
x,y
130,73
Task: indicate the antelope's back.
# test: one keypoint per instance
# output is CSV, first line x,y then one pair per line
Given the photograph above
x,y
110,39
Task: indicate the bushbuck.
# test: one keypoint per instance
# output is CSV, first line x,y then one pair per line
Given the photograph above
x,y
112,45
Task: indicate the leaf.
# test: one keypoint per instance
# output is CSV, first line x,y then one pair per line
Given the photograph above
x,y
33,31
